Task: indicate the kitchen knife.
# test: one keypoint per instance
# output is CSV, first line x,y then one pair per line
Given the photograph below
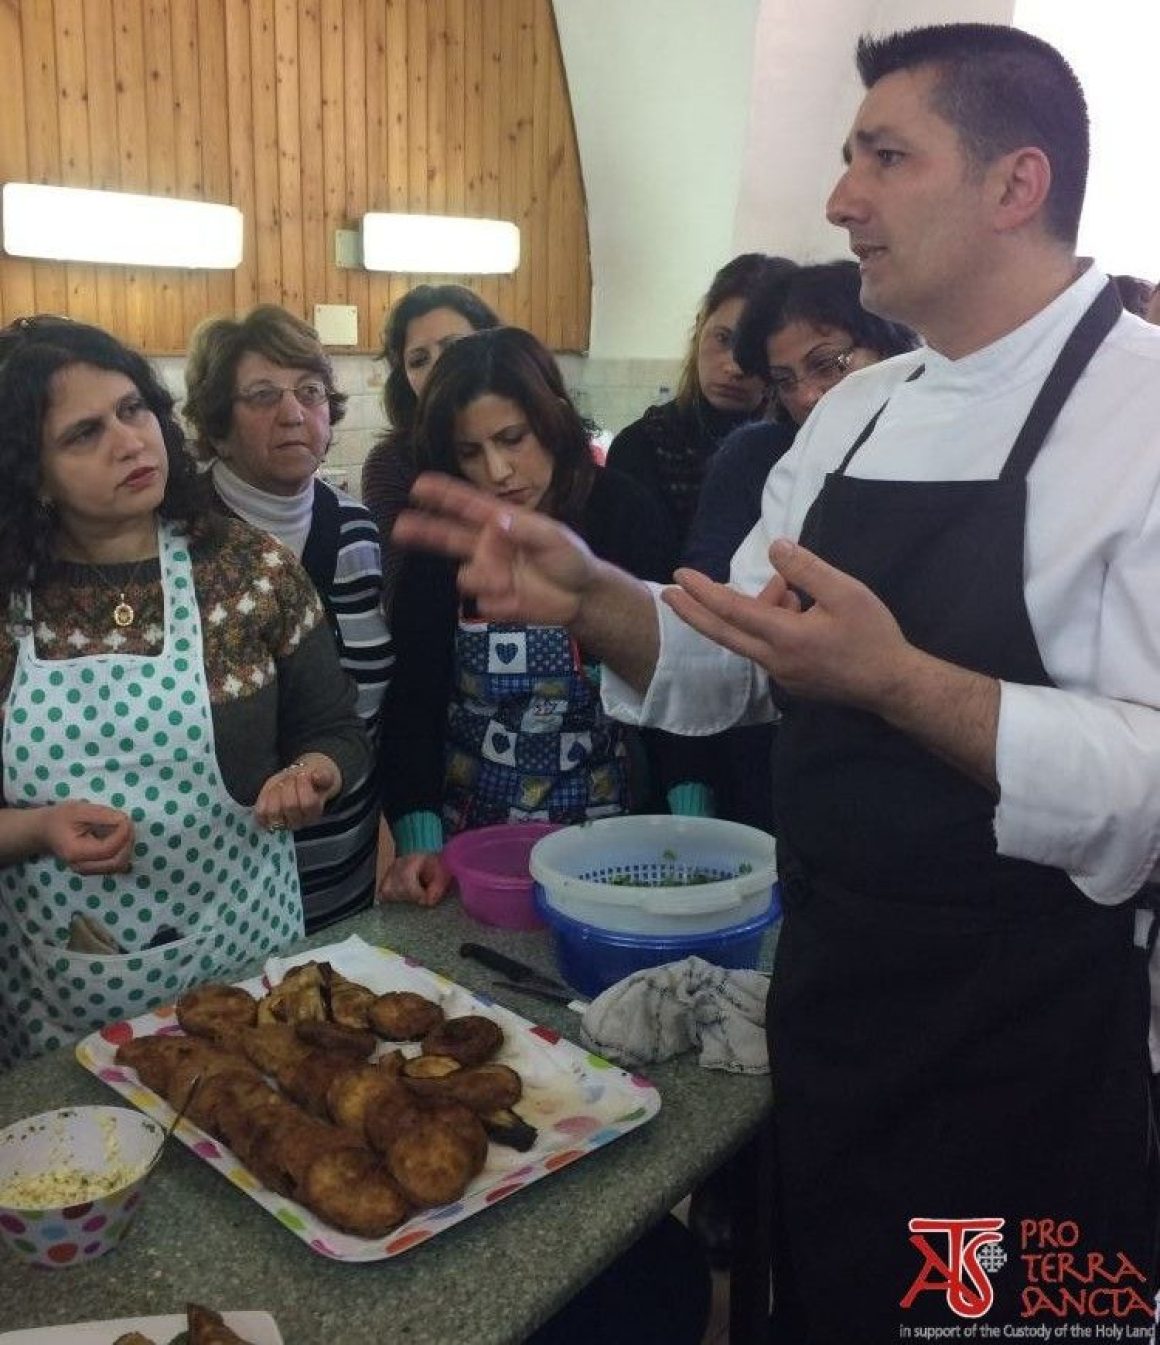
x,y
511,968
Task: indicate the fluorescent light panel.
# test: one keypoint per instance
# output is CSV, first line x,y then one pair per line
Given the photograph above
x,y
441,244
75,224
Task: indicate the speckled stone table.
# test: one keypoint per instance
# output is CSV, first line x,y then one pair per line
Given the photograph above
x,y
491,1278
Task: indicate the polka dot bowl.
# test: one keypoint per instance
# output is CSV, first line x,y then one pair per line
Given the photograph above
x,y
71,1181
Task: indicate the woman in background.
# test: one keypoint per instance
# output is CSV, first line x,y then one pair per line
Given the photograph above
x,y
261,398
419,328
172,704
668,449
802,331
489,723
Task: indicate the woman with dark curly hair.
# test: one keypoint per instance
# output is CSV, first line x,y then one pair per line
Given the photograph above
x,y
494,722
172,703
419,328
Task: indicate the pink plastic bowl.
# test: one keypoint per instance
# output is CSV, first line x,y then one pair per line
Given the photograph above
x,y
490,865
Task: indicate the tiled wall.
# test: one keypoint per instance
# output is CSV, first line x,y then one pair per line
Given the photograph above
x,y
613,393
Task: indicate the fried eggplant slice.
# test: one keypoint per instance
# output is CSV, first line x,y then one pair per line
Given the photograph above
x,y
431,1162
207,1010
155,1058
350,1003
352,1096
310,1080
483,1088
387,1115
352,1189
429,1067
349,1041
462,1120
206,1327
401,1015
508,1128
471,1039
274,1047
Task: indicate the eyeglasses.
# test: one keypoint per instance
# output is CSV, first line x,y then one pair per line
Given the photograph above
x,y
823,371
265,396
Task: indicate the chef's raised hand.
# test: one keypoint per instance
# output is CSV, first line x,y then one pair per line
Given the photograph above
x,y
518,564
89,837
844,646
296,795
422,878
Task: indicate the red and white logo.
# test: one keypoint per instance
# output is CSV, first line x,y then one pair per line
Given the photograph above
x,y
961,1274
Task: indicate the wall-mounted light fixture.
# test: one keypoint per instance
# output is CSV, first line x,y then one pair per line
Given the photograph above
x,y
75,224
440,244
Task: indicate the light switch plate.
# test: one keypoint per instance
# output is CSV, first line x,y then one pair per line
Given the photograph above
x,y
336,324
347,248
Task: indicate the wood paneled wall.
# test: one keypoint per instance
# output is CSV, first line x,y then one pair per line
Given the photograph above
x,y
304,114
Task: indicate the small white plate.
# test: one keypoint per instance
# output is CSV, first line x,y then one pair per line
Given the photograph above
x,y
256,1328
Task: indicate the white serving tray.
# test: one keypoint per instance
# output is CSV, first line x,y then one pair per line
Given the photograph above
x,y
577,1101
256,1328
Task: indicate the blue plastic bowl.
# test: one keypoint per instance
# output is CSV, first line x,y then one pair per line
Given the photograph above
x,y
591,959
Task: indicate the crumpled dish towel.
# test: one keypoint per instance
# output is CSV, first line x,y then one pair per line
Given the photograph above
x,y
662,1011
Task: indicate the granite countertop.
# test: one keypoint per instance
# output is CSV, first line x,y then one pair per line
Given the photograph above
x,y
491,1278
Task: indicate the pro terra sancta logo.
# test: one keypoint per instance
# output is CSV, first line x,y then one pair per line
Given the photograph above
x,y
1064,1290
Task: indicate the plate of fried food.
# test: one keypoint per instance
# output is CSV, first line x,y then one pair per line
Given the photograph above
x,y
198,1325
365,1101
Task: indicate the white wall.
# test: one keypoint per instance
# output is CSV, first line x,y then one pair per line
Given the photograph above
x,y
660,97
1112,47
708,128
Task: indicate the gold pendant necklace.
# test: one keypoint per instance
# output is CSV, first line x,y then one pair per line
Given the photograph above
x,y
124,613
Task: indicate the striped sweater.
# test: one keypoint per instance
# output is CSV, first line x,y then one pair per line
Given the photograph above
x,y
336,857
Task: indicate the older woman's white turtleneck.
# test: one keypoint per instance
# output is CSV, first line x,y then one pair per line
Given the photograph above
x,y
286,517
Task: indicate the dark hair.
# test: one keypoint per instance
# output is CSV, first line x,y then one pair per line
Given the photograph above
x,y
32,351
215,351
825,295
737,279
1000,88
1134,293
399,400
511,363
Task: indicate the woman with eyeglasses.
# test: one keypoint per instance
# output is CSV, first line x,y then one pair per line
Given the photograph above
x,y
668,449
802,332
171,702
261,398
418,329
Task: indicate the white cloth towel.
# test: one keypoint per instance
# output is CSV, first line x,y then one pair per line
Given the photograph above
x,y
662,1011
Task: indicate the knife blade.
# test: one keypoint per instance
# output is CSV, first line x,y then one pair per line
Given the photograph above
x,y
510,967
569,1001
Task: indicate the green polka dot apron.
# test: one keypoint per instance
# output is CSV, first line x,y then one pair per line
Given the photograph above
x,y
135,733
527,737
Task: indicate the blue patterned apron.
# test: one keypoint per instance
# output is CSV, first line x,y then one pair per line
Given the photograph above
x,y
527,737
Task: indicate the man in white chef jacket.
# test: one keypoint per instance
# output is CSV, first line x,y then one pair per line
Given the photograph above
x,y
951,600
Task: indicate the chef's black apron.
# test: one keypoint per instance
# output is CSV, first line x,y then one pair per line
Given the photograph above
x,y
953,1034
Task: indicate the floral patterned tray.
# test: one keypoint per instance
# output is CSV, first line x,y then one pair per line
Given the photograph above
x,y
577,1101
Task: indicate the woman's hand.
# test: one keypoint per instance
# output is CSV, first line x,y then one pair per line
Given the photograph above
x,y
296,795
422,878
88,837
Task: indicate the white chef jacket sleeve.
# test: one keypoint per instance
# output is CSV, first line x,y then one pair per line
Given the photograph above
x,y
698,687
1079,771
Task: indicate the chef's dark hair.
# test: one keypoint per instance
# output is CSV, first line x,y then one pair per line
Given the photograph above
x,y
32,351
1000,88
823,295
508,362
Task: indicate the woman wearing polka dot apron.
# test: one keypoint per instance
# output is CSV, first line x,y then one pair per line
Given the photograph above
x,y
172,703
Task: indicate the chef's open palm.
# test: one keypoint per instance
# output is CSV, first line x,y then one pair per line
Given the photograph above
x,y
518,564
